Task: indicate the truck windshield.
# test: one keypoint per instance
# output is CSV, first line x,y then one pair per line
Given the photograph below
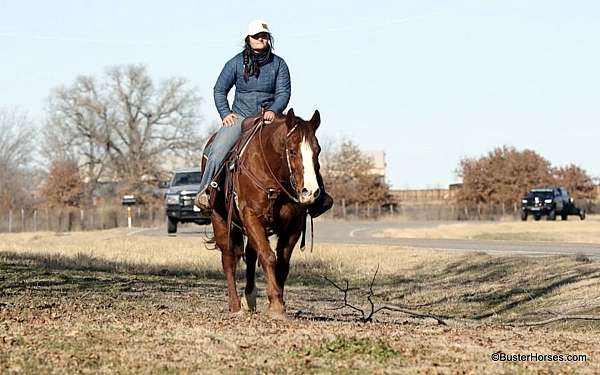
x,y
540,194
187,178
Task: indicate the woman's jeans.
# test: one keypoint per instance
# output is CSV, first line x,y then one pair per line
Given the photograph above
x,y
223,142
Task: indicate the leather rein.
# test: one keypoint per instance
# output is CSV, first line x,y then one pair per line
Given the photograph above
x,y
243,169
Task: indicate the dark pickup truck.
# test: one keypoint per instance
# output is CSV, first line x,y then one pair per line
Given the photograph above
x,y
179,199
549,202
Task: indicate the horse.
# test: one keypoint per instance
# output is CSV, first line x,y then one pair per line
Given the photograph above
x,y
265,188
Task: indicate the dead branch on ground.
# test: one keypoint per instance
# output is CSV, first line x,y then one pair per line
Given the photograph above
x,y
367,316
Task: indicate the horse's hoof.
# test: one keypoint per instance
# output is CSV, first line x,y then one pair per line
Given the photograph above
x,y
277,312
278,315
234,308
249,301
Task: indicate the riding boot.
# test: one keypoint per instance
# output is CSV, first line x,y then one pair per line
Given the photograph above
x,y
202,201
324,202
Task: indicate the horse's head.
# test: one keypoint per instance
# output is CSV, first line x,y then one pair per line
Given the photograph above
x,y
302,149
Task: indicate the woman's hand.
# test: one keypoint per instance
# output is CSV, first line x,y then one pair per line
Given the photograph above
x,y
229,119
269,116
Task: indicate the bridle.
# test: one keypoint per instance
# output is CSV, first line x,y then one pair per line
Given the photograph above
x,y
243,169
292,179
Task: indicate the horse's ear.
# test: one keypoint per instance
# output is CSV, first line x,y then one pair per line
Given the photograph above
x,y
316,119
290,118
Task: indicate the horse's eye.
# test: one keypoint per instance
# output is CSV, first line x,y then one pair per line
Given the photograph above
x,y
292,152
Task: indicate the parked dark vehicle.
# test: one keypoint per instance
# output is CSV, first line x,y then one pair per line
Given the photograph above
x,y
549,202
179,199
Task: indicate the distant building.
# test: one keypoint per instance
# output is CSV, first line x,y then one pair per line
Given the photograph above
x,y
424,195
377,158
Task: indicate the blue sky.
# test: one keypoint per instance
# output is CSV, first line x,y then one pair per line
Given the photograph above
x,y
428,82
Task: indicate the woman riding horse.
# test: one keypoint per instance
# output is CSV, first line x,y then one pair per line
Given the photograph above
x,y
262,82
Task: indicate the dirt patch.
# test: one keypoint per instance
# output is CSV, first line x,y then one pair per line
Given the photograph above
x,y
159,307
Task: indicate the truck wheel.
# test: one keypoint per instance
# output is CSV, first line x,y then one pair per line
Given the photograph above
x,y
552,215
171,225
524,216
564,216
537,217
582,214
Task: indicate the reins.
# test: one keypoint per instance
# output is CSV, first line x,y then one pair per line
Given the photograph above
x,y
262,151
244,169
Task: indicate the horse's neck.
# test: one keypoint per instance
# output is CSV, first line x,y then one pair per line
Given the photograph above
x,y
272,137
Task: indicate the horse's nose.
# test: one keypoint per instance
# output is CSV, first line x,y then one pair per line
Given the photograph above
x,y
305,192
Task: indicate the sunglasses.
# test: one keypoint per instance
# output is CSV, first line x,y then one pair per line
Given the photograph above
x,y
264,36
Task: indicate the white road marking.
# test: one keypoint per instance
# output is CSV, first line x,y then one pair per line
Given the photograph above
x,y
354,231
140,231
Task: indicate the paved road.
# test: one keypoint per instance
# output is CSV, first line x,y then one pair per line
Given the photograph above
x,y
361,232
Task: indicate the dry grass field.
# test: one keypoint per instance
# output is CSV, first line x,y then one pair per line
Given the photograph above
x,y
573,230
105,302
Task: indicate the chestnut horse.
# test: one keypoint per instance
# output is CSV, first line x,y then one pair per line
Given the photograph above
x,y
266,188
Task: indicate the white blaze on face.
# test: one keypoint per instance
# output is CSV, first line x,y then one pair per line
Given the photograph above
x,y
310,177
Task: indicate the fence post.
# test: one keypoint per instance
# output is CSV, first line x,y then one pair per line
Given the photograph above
x,y
356,209
22,219
343,208
35,220
368,210
9,221
82,219
379,209
129,217
47,220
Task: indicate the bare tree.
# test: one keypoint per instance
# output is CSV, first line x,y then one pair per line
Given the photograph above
x,y
17,140
124,126
347,172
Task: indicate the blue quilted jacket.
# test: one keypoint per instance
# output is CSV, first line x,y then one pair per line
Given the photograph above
x,y
270,90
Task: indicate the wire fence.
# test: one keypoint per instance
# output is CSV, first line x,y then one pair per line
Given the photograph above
x,y
74,219
435,211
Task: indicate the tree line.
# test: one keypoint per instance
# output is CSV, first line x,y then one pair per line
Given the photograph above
x,y
503,175
111,135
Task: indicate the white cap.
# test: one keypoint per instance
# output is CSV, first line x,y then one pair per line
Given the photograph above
x,y
257,26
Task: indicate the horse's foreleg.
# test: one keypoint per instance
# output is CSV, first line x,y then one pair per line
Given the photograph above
x,y
229,258
285,247
257,237
250,291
